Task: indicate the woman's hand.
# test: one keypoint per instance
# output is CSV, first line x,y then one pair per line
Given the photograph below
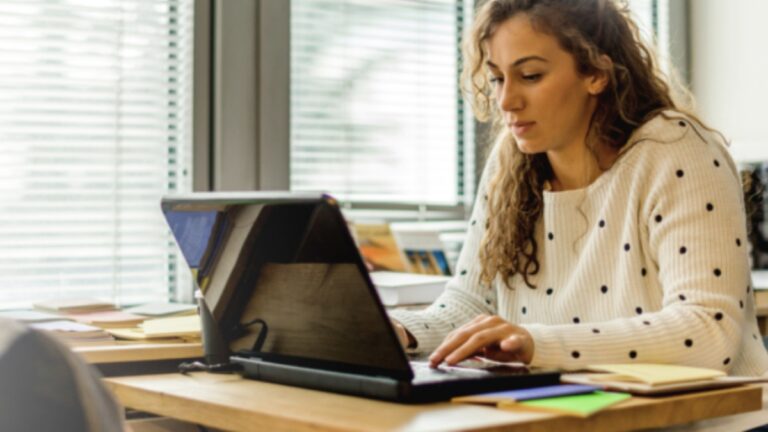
x,y
486,336
406,340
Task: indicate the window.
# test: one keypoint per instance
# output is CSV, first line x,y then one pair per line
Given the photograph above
x,y
94,128
376,115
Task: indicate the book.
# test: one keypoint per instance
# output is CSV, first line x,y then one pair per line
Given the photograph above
x,y
74,305
654,374
423,249
581,405
398,288
655,379
109,319
378,246
163,309
496,398
30,316
183,326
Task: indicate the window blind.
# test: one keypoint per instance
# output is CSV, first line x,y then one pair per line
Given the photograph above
x,y
95,105
376,114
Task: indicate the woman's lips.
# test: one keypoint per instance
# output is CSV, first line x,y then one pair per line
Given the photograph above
x,y
519,128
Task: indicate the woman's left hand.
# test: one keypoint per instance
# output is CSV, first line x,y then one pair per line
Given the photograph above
x,y
487,336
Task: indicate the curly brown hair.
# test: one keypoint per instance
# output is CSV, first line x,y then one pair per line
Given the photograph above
x,y
589,30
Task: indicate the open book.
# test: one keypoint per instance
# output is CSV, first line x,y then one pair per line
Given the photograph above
x,y
650,378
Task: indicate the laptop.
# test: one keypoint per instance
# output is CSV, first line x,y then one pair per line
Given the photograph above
x,y
293,302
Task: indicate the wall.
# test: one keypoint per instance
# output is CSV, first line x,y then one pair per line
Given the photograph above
x,y
729,67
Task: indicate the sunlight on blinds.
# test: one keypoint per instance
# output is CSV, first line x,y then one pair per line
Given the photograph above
x,y
95,106
375,110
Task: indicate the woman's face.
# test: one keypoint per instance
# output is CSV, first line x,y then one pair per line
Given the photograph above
x,y
546,104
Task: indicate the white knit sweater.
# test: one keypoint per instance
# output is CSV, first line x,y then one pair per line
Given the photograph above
x,y
649,263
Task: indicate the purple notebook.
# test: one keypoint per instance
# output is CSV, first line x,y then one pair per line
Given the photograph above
x,y
527,394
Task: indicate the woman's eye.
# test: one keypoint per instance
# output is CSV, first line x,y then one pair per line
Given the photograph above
x,y
532,77
496,80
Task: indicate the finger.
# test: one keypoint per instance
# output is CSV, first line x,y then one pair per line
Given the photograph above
x,y
490,337
458,337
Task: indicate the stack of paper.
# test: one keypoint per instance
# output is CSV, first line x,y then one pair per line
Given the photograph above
x,y
183,327
157,310
569,399
75,333
396,288
74,306
109,319
649,378
30,316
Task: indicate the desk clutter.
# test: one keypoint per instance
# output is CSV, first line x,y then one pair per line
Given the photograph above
x,y
584,394
95,322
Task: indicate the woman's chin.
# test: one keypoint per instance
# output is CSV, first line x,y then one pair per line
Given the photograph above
x,y
528,147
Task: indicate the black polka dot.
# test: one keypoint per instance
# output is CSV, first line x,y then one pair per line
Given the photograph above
x,y
683,250
575,354
442,305
551,236
719,316
748,288
726,361
633,354
453,326
524,310
596,331
681,123
474,222
463,272
639,310
576,320
601,224
658,218
741,304
754,336
717,272
603,289
689,343
681,297
550,291
643,272
626,247
738,242
680,173
426,326
485,197
488,301
647,322
710,207
716,162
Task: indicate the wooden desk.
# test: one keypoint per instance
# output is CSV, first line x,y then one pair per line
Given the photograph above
x,y
137,359
233,403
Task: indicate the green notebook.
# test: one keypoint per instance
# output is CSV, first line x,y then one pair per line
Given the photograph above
x,y
582,405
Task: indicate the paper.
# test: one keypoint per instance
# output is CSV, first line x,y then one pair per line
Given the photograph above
x,y
526,394
582,405
654,374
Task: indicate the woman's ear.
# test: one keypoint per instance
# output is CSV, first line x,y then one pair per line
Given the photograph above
x,y
599,80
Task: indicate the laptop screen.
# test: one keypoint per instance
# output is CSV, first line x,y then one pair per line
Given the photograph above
x,y
289,261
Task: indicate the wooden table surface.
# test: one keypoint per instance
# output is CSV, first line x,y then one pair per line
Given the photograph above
x,y
230,402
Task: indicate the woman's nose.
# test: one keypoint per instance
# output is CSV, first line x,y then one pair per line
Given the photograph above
x,y
510,98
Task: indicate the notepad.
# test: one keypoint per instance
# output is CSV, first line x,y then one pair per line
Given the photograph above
x,y
654,374
525,394
582,405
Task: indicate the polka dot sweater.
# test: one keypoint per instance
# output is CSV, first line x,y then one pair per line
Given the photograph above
x,y
647,264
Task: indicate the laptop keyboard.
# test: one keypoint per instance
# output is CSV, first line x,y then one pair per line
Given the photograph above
x,y
467,369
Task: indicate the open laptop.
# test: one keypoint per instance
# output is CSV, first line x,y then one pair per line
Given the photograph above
x,y
294,303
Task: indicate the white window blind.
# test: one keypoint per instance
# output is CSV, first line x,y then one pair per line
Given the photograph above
x,y
95,105
376,114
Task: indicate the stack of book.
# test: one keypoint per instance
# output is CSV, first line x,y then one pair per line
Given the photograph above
x,y
75,333
84,331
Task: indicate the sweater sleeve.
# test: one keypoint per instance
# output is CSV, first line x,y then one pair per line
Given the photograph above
x,y
464,297
692,215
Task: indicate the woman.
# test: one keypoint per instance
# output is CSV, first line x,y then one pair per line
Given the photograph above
x,y
609,225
